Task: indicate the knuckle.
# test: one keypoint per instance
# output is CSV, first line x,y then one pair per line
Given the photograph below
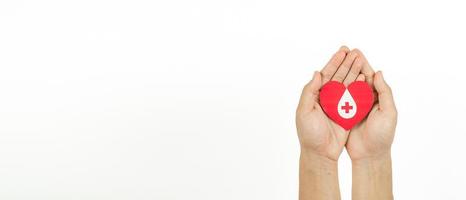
x,y
355,70
345,67
355,52
389,89
326,74
357,64
306,88
339,77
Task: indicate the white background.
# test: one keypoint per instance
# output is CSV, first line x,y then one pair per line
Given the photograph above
x,y
195,99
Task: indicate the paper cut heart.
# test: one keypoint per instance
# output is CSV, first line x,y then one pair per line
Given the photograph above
x,y
346,106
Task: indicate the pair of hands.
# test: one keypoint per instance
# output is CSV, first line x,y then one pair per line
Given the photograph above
x,y
322,137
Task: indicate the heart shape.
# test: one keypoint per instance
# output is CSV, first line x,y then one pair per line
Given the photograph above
x,y
346,106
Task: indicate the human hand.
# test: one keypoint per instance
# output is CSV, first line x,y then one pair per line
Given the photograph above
x,y
373,137
369,142
317,133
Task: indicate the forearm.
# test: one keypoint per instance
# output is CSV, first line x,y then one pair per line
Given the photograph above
x,y
372,178
318,177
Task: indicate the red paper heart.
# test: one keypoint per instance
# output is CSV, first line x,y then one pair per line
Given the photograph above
x,y
346,107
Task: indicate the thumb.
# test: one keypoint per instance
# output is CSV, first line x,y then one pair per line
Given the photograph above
x,y
384,92
315,84
311,92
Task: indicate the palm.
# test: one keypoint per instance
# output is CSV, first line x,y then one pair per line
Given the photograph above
x,y
315,130
374,135
321,134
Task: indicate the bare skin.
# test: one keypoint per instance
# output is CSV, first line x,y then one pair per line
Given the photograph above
x,y
322,141
369,143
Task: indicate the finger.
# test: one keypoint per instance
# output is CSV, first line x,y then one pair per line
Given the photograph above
x,y
344,67
333,64
354,72
366,68
361,77
384,92
310,93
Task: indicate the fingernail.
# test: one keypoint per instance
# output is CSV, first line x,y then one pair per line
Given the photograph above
x,y
342,47
381,76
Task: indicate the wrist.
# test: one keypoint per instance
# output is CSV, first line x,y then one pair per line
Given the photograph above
x,y
318,176
374,165
322,153
318,164
373,160
376,158
372,177
316,157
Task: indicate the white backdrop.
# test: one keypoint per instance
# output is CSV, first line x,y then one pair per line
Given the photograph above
x,y
195,99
